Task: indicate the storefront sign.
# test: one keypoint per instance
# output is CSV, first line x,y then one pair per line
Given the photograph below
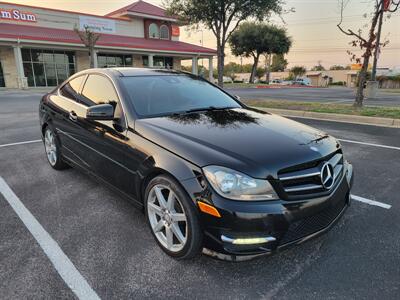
x,y
176,31
97,24
17,15
358,67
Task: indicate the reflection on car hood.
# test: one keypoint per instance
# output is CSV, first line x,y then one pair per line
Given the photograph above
x,y
254,142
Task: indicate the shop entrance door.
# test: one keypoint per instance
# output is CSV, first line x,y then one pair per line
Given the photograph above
x,y
2,83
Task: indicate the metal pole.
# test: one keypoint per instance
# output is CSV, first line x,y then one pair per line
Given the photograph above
x,y
377,47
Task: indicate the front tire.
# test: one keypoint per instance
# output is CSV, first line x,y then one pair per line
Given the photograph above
x,y
52,148
172,218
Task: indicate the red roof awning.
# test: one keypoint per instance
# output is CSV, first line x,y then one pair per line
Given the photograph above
x,y
141,7
35,33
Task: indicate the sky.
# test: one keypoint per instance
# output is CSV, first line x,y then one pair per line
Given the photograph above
x,y
312,26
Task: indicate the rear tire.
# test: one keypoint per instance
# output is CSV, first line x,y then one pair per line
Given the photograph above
x,y
52,148
172,218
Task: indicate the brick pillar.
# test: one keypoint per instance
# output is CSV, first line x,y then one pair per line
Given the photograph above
x,y
22,81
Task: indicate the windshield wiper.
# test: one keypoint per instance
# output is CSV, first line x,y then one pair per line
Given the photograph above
x,y
209,108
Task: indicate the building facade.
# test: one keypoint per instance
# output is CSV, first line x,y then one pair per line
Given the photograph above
x,y
39,47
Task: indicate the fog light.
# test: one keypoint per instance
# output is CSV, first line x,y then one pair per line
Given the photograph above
x,y
248,241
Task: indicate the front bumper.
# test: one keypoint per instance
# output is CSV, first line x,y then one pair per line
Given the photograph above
x,y
255,228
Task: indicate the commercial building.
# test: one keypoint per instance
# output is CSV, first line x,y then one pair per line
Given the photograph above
x,y
39,47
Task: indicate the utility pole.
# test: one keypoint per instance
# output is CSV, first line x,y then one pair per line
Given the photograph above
x,y
202,45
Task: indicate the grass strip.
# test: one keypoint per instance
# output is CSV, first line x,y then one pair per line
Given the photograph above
x,y
346,109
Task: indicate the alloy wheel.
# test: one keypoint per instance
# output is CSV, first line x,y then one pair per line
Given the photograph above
x,y
50,147
167,218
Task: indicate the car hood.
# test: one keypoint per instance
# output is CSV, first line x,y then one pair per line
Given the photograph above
x,y
256,143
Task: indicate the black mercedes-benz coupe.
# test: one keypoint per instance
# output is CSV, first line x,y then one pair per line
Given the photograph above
x,y
208,171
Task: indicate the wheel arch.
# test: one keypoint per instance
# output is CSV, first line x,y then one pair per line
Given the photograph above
x,y
170,165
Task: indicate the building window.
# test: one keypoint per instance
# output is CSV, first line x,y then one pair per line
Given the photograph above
x,y
145,60
164,32
47,67
105,60
153,31
163,62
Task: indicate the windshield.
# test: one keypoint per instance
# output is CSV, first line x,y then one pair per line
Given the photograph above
x,y
170,94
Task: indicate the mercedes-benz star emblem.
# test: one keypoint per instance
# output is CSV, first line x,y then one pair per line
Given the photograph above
x,y
327,176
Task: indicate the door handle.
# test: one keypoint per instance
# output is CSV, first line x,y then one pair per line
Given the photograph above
x,y
73,116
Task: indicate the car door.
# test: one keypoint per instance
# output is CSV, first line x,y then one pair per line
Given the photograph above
x,y
68,116
105,141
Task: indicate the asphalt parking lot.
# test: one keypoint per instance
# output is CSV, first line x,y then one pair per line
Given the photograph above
x,y
324,95
108,242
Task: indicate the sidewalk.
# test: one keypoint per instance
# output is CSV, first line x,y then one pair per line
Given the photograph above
x,y
28,90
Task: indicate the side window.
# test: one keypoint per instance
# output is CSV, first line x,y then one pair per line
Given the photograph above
x,y
153,31
99,90
70,90
164,32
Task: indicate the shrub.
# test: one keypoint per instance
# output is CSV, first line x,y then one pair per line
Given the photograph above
x,y
339,83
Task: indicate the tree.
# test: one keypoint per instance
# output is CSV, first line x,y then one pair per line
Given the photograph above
x,y
203,71
89,39
337,67
368,43
318,67
232,67
186,68
255,39
222,17
279,63
247,68
260,72
298,71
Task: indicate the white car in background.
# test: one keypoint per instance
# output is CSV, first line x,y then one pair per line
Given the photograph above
x,y
302,81
227,79
276,82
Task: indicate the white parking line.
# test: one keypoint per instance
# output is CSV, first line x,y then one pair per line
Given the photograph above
x,y
369,144
370,202
76,282
20,143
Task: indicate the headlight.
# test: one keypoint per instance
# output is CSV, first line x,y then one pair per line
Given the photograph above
x,y
238,186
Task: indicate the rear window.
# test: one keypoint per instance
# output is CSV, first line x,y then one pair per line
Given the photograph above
x,y
168,94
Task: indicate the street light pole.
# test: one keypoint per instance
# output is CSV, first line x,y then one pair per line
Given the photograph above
x,y
202,45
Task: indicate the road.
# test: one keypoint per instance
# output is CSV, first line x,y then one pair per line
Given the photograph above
x,y
324,95
109,243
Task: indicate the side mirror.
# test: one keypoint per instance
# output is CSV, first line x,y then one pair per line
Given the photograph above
x,y
104,112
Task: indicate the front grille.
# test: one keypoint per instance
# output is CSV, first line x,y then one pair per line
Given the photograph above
x,y
312,224
305,180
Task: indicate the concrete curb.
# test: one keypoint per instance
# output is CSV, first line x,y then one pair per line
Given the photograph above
x,y
375,121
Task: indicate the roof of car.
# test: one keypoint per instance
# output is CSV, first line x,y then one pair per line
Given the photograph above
x,y
130,72
127,72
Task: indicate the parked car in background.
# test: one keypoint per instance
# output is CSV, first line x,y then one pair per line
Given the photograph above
x,y
206,170
302,81
276,82
227,79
